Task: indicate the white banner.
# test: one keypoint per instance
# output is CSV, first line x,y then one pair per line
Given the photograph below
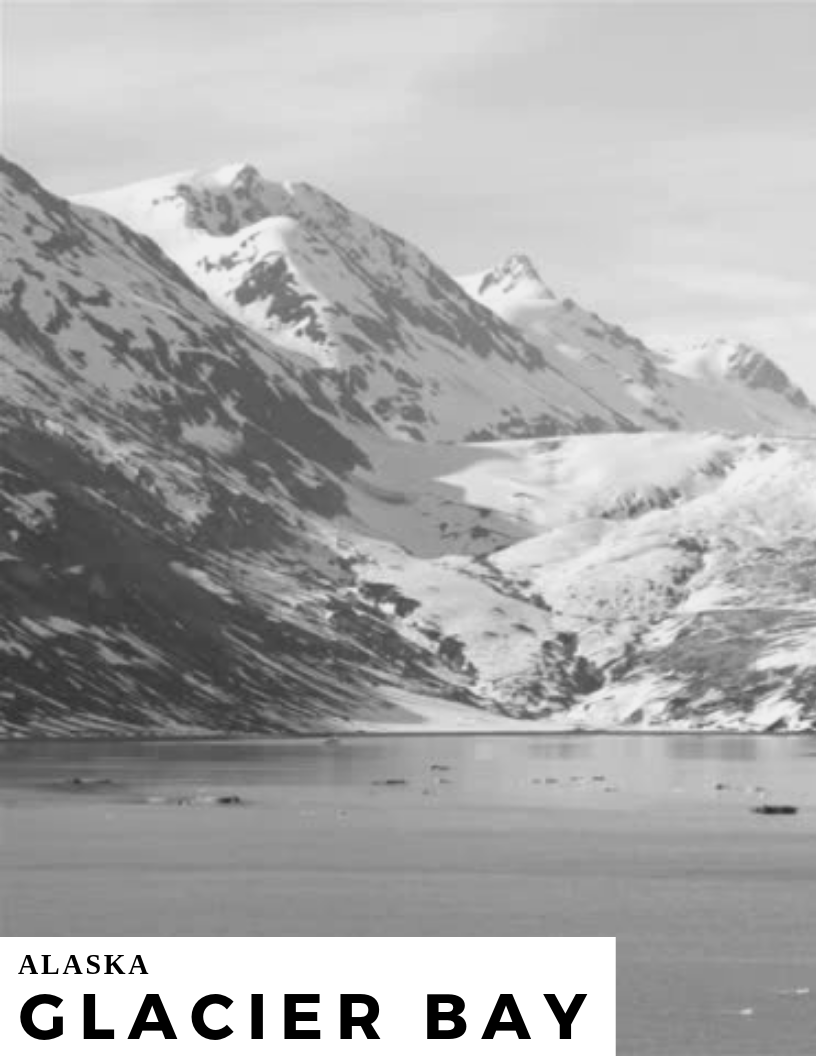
x,y
309,996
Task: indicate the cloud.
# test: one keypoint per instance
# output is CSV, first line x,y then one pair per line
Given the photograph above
x,y
305,92
739,286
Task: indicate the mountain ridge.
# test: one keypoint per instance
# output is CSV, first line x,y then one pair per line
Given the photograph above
x,y
732,360
725,375
381,334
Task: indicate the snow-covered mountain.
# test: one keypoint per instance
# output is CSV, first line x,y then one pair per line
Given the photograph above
x,y
381,333
202,530
716,386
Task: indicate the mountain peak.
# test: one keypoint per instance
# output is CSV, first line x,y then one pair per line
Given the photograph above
x,y
519,265
218,201
239,176
726,346
519,274
725,356
737,361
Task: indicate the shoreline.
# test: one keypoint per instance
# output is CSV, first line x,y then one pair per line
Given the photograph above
x,y
415,715
331,736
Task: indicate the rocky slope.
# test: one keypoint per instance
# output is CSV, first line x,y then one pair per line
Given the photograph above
x,y
163,496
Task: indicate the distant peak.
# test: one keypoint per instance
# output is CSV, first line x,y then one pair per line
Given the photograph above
x,y
238,176
726,344
519,266
516,272
245,182
242,175
731,354
735,360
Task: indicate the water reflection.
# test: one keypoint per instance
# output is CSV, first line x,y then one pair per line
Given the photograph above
x,y
492,767
716,746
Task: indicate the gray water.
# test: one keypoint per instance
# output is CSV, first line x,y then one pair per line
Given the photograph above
x,y
712,905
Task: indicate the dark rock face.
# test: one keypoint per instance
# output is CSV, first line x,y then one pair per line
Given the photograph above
x,y
273,283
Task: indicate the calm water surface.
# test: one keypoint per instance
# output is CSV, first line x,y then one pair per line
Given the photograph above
x,y
713,906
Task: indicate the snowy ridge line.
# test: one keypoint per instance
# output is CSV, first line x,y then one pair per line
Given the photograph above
x,y
381,335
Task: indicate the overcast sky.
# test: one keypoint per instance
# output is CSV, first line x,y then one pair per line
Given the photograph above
x,y
657,161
